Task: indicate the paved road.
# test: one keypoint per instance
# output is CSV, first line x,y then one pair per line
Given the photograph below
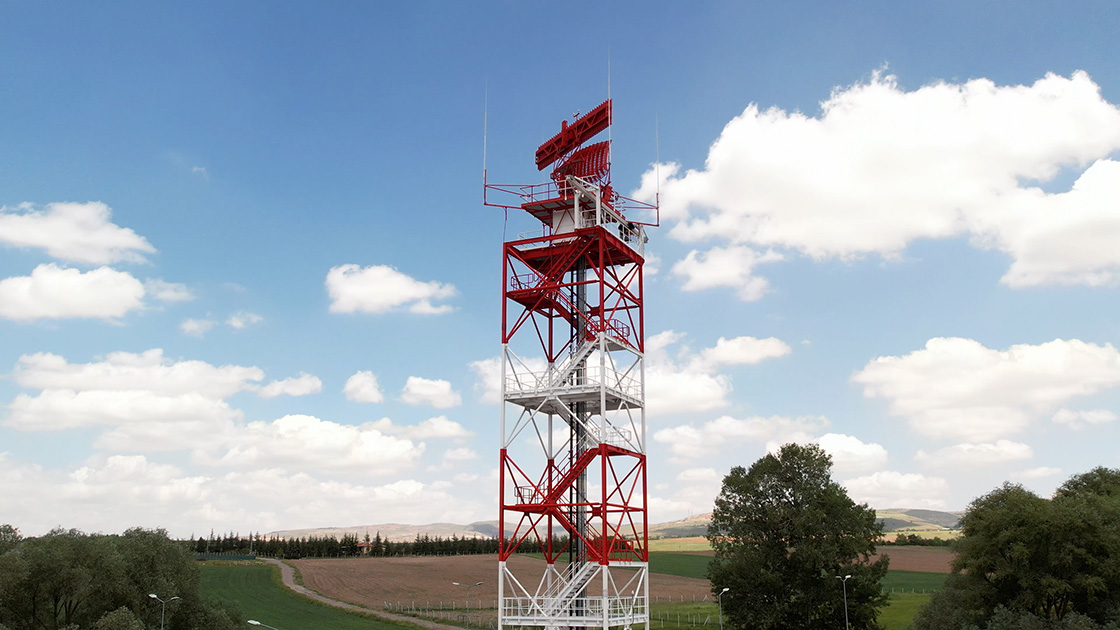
x,y
288,576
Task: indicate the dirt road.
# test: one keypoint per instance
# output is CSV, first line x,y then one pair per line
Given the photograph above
x,y
288,577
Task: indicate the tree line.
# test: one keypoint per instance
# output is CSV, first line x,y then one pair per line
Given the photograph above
x,y
69,580
349,545
914,540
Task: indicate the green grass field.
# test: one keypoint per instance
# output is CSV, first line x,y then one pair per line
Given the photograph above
x,y
256,588
901,610
912,582
909,591
696,566
684,615
682,564
705,615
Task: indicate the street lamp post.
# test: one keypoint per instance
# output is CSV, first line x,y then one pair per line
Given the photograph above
x,y
469,587
163,609
844,582
719,599
254,622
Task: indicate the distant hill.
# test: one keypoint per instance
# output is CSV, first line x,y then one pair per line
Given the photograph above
x,y
894,520
685,528
399,532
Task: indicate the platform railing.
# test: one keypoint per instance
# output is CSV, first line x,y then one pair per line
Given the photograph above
x,y
620,608
592,376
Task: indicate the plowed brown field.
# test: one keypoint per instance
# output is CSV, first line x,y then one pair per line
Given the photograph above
x,y
372,582
924,559
427,581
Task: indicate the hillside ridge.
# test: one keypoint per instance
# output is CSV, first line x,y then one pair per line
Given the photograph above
x,y
895,519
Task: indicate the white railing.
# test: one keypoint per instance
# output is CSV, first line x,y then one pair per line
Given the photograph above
x,y
610,435
612,210
590,377
618,608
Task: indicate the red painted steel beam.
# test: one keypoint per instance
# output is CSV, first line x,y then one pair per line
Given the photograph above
x,y
571,136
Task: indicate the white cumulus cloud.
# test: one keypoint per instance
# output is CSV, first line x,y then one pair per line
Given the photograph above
x,y
891,489
970,455
53,292
124,388
852,455
362,387
126,371
53,410
744,351
300,442
381,288
688,441
77,232
690,381
301,385
726,267
437,427
119,491
957,388
944,160
432,392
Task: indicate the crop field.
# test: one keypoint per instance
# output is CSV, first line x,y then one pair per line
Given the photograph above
x,y
257,590
427,581
679,593
912,582
694,543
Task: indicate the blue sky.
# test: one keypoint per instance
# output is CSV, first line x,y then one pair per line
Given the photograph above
x,y
247,281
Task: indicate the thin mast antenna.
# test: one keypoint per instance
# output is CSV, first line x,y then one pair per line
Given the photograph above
x,y
657,161
610,124
485,113
485,125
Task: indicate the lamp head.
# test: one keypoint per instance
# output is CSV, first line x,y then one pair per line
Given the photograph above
x,y
725,589
153,596
253,622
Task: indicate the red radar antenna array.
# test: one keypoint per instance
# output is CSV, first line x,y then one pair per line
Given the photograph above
x,y
573,430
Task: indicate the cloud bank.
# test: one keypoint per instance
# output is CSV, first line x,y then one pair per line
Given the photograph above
x,y
881,167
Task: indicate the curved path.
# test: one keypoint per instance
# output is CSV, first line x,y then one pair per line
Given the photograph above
x,y
288,577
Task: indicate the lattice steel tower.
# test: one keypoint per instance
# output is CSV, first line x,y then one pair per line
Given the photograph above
x,y
573,430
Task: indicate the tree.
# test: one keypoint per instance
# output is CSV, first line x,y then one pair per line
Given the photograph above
x,y
782,533
1036,559
69,579
9,537
119,619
